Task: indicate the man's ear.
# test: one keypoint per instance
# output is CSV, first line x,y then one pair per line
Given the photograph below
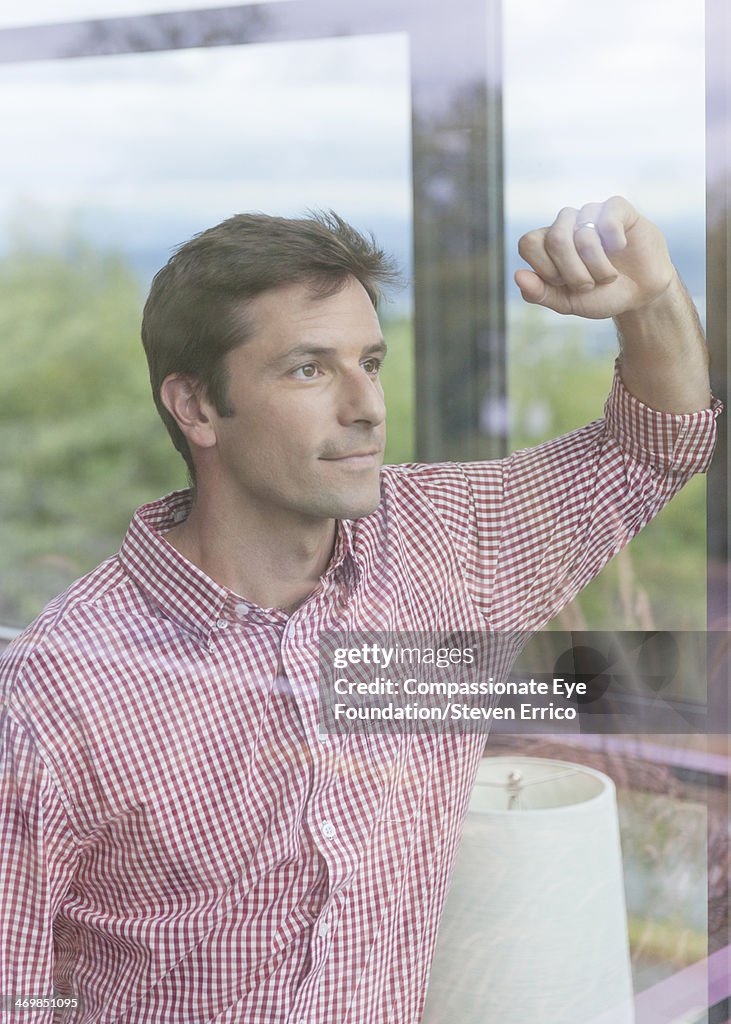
x,y
185,400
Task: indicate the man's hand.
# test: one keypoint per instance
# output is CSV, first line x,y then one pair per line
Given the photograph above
x,y
606,260
599,261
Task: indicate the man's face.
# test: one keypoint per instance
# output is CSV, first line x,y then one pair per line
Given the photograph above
x,y
308,429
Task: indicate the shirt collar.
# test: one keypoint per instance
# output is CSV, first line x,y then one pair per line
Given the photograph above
x,y
343,550
180,589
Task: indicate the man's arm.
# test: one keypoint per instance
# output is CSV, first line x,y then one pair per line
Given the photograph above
x,y
605,260
533,529
37,858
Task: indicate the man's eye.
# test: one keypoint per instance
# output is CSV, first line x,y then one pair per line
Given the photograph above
x,y
306,372
372,366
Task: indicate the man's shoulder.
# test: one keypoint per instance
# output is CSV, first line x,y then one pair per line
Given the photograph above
x,y
445,485
86,604
420,477
438,503
409,488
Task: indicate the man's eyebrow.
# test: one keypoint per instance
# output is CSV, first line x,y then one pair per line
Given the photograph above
x,y
305,350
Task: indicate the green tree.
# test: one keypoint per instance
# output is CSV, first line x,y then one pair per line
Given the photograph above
x,y
82,442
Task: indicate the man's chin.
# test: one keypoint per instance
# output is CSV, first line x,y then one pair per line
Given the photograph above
x,y
357,506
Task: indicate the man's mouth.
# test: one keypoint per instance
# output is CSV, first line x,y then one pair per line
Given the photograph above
x,y
362,457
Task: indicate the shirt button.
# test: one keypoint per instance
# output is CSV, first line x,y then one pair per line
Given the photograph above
x,y
328,829
222,623
323,926
240,610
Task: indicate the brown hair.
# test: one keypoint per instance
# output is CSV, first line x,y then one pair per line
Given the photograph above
x,y
195,313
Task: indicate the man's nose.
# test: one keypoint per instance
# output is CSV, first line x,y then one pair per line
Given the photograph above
x,y
361,399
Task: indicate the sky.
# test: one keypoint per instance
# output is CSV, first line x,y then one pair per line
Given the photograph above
x,y
143,150
605,98
160,136
150,148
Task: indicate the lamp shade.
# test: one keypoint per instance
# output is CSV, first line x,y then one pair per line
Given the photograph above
x,y
535,927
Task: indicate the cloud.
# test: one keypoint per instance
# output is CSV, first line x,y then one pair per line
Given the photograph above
x,y
604,99
224,129
598,100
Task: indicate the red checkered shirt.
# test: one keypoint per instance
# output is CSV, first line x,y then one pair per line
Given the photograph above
x,y
179,844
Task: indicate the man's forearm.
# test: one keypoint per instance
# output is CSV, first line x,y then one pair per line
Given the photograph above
x,y
664,360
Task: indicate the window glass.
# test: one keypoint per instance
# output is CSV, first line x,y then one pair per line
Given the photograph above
x,y
598,104
109,162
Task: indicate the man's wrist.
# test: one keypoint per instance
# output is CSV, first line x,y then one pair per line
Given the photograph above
x,y
671,307
664,358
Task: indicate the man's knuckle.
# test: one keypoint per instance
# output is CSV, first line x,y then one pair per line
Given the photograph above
x,y
554,242
529,245
585,247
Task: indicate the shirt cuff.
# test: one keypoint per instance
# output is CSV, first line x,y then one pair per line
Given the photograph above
x,y
680,441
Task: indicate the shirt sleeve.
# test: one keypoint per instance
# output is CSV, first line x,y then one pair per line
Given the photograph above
x,y
37,857
547,519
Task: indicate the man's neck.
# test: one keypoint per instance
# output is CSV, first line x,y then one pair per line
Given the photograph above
x,y
273,561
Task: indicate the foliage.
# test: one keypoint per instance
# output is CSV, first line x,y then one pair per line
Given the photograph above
x,y
82,442
397,376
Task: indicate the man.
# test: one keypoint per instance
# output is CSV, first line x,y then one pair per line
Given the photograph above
x,y
179,843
